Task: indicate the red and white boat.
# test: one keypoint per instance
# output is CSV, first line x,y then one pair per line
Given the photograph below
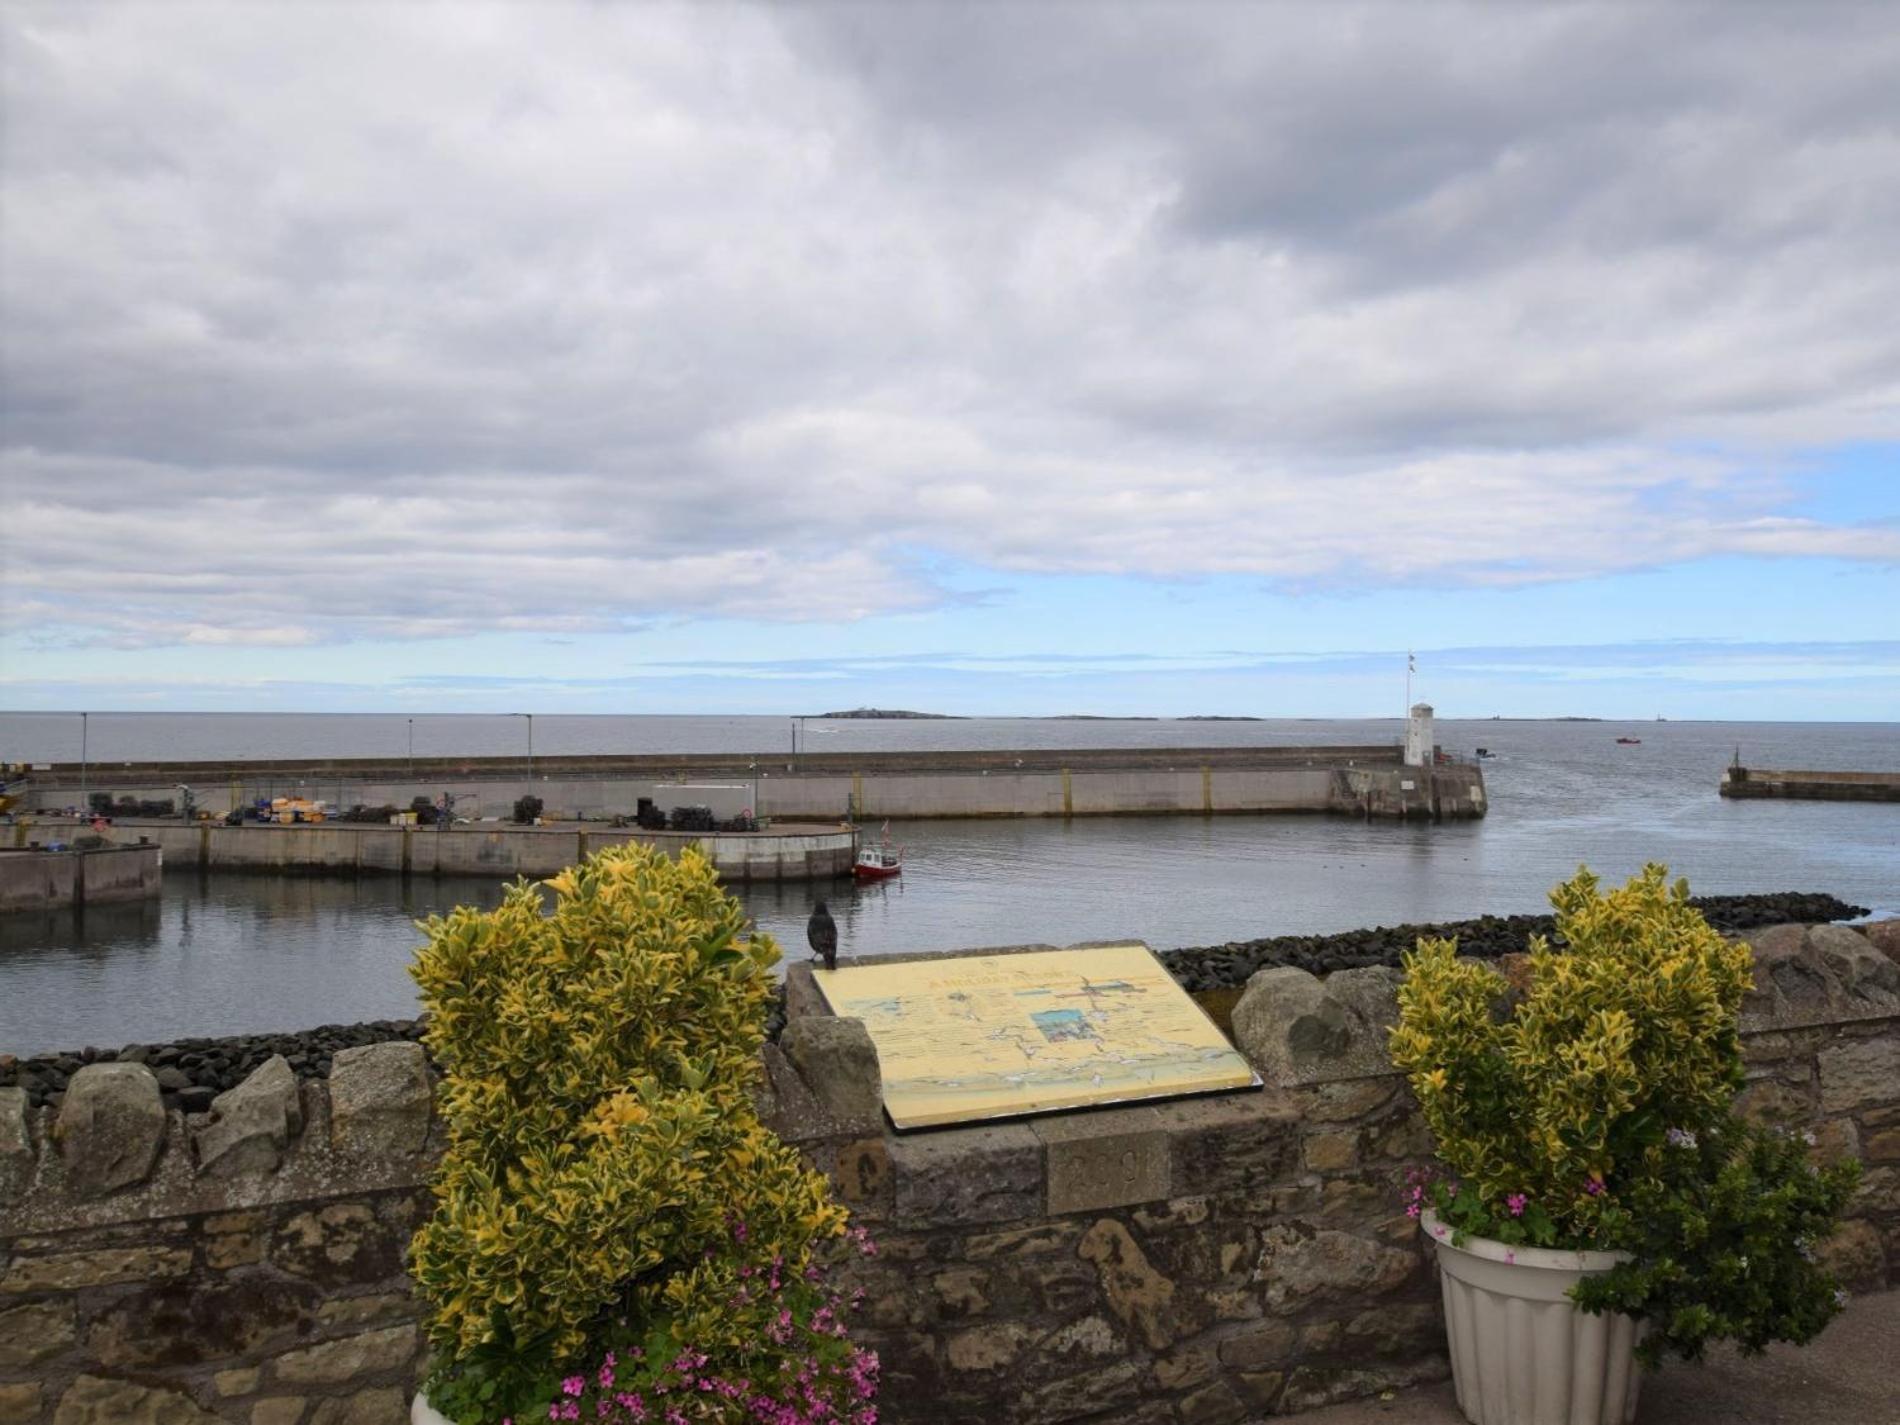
x,y
880,862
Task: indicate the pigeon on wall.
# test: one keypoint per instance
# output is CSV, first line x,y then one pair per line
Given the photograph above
x,y
822,931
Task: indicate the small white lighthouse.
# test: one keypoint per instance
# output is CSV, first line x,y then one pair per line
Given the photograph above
x,y
1418,736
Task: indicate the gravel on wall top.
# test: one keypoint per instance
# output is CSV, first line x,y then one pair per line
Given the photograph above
x,y
191,1072
1215,967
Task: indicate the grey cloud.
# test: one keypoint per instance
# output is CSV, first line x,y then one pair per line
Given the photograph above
x,y
373,321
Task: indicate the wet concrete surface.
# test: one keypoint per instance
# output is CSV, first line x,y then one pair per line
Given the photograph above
x,y
1849,1376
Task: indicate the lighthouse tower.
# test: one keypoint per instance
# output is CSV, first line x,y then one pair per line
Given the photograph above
x,y
1418,736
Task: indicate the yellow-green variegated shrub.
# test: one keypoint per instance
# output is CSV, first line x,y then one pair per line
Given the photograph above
x,y
1626,1035
598,1061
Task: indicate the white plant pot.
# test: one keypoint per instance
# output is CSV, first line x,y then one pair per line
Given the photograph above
x,y
422,1413
1521,1351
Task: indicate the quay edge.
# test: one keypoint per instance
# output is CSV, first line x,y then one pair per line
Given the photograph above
x,y
1372,781
1759,783
33,878
791,853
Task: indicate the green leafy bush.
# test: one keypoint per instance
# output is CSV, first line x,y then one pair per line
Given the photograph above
x,y
1724,1232
1597,1112
606,1175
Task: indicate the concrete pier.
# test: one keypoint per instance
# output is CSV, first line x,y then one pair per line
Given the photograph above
x,y
1744,783
1370,781
789,852
32,878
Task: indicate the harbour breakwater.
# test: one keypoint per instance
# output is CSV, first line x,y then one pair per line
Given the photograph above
x,y
1366,781
1746,783
788,852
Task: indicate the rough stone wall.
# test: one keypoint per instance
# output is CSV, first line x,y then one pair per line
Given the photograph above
x,y
241,1265
1214,1260
1226,1259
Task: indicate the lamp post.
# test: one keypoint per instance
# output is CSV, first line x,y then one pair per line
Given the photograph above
x,y
85,803
530,718
412,749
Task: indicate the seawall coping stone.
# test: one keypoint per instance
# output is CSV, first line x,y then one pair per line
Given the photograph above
x,y
380,1099
251,1125
110,1128
16,1144
1109,1158
838,1063
311,1169
967,1175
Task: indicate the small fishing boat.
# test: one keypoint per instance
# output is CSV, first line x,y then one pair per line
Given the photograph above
x,y
1630,741
1486,753
878,863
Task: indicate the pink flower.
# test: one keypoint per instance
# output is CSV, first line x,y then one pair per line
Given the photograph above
x,y
573,1385
1594,1187
1517,1202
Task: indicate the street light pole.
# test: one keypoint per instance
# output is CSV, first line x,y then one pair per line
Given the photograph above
x,y
412,749
85,803
530,718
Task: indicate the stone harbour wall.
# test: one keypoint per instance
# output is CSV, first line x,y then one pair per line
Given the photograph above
x,y
1220,1260
1213,1260
241,1265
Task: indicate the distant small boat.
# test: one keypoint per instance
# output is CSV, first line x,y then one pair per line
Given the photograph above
x,y
1631,741
878,863
1484,752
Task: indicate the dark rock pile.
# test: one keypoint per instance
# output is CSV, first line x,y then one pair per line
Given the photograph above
x,y
192,1072
1216,967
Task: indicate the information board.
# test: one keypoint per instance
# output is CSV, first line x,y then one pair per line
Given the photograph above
x,y
971,1037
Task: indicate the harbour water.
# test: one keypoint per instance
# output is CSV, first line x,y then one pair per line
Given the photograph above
x,y
236,954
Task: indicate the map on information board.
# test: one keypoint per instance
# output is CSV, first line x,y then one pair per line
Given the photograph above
x,y
970,1037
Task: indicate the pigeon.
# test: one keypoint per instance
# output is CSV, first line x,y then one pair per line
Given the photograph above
x,y
822,931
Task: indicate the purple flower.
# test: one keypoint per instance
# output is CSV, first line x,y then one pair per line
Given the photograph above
x,y
1680,1138
1594,1187
1517,1202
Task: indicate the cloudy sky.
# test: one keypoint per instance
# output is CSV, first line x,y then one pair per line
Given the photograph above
x,y
1006,358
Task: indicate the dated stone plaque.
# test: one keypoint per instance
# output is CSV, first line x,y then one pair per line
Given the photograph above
x,y
964,1038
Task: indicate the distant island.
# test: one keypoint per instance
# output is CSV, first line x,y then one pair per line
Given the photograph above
x,y
876,713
